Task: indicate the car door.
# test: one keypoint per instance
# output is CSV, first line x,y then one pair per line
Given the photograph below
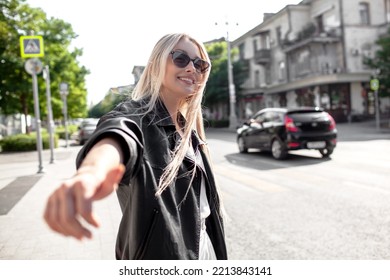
x,y
267,132
259,127
252,130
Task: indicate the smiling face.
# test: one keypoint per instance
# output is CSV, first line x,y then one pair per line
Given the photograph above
x,y
181,83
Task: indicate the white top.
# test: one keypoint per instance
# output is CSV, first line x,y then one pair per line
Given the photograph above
x,y
206,249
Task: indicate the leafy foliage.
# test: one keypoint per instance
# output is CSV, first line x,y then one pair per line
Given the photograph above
x,y
18,19
381,62
107,104
23,142
217,90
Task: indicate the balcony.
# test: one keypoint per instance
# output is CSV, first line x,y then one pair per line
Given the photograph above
x,y
263,56
311,36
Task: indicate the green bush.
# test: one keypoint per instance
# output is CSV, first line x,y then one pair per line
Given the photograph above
x,y
26,142
60,131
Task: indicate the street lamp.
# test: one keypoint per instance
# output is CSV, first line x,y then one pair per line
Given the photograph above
x,y
232,88
64,93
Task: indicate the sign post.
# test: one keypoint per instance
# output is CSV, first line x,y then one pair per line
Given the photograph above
x,y
33,66
32,47
374,84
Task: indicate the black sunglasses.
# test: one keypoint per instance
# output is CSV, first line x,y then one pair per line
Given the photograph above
x,y
181,60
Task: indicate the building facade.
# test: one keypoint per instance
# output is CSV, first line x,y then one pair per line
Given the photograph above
x,y
311,54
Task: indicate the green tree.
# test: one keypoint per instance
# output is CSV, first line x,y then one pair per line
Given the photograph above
x,y
217,90
14,88
112,98
18,19
381,62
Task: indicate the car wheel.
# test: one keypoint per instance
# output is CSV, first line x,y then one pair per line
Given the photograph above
x,y
241,145
326,152
278,150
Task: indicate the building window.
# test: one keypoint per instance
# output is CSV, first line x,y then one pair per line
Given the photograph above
x,y
303,62
241,49
320,24
279,35
387,10
267,76
282,70
255,48
364,10
257,79
265,41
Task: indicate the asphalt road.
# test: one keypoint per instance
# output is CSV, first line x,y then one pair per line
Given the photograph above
x,y
307,207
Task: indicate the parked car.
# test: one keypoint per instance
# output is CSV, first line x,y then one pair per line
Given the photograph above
x,y
86,128
280,130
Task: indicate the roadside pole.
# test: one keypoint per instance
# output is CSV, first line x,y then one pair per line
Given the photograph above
x,y
46,75
32,47
374,84
33,66
64,93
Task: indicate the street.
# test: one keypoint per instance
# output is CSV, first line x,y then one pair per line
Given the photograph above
x,y
301,208
306,207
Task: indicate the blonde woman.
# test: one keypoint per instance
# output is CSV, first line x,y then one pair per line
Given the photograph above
x,y
151,149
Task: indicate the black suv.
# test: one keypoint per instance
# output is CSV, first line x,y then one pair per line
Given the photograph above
x,y
280,129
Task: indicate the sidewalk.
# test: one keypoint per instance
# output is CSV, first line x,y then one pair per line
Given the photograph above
x,y
23,195
360,131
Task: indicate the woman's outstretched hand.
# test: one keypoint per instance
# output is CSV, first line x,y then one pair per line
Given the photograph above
x,y
70,205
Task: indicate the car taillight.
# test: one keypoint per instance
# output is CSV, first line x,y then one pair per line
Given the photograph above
x,y
289,123
332,124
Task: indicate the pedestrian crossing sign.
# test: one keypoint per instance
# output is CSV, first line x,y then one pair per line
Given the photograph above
x,y
31,46
374,84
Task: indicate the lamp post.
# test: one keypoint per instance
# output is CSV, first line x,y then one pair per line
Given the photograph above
x,y
64,94
232,88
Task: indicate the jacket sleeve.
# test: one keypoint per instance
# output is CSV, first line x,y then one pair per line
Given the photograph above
x,y
127,133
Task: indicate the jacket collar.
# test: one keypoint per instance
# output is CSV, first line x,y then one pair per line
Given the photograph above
x,y
162,117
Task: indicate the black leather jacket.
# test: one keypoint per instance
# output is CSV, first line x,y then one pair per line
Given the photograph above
x,y
166,226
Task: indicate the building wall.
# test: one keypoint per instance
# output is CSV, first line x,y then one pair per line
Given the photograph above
x,y
351,15
322,49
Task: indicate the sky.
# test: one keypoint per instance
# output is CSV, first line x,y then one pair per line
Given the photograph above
x,y
117,35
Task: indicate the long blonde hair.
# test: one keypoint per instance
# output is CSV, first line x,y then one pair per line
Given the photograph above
x,y
149,86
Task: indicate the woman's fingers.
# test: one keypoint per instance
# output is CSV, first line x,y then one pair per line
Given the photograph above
x,y
68,214
72,202
51,214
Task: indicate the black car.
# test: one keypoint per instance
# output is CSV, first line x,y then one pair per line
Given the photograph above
x,y
280,130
